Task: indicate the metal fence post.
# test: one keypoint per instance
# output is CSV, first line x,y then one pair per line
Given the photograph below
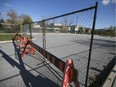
x,y
23,29
20,28
30,31
44,35
91,43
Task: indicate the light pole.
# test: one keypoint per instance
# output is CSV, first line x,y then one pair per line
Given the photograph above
x,y
76,25
76,21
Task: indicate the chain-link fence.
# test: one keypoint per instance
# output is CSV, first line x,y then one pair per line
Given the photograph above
x,y
71,36
66,36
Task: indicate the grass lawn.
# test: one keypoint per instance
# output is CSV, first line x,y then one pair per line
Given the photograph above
x,y
7,37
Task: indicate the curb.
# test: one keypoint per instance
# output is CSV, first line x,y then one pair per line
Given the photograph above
x,y
6,41
110,78
9,41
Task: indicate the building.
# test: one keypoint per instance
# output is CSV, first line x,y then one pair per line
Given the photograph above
x,y
73,29
7,25
56,27
35,25
88,30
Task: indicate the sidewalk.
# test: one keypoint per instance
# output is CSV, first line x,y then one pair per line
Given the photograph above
x,y
110,81
27,72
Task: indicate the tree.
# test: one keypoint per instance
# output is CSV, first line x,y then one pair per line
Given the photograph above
x,y
80,30
1,18
111,31
0,15
26,19
2,21
15,19
106,32
66,22
12,17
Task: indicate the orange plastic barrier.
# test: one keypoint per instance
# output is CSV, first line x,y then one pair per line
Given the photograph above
x,y
68,74
28,49
13,38
23,41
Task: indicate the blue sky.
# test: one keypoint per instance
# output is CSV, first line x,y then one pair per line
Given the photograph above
x,y
39,9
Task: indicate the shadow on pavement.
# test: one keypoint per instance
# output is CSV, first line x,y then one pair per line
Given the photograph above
x,y
29,79
101,77
98,70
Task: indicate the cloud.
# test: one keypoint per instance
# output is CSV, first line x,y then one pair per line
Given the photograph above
x,y
113,1
7,5
106,2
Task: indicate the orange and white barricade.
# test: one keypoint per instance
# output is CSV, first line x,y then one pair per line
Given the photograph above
x,y
68,74
23,41
28,49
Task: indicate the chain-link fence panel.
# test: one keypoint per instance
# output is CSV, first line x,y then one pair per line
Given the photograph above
x,y
66,36
69,37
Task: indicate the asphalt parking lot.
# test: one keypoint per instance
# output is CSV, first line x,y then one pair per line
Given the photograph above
x,y
32,72
76,47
